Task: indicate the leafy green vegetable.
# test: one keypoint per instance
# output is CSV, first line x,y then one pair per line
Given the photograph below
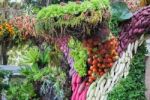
x,y
114,26
120,11
128,88
48,55
71,8
31,56
21,91
79,54
40,76
56,16
52,78
15,54
3,82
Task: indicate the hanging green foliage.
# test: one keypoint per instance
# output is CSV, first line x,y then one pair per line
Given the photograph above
x,y
71,8
73,14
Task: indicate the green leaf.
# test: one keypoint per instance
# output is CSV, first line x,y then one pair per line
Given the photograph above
x,y
79,54
120,11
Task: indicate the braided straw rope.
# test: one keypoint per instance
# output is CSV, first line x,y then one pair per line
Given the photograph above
x,y
102,86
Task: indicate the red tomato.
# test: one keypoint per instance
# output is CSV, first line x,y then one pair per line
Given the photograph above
x,y
107,55
99,65
89,60
109,60
92,67
95,62
103,66
105,70
90,80
99,59
94,70
92,77
102,51
100,70
111,64
101,73
89,72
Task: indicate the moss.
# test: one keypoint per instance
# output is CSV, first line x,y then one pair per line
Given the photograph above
x,y
56,17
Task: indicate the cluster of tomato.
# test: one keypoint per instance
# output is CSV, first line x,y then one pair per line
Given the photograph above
x,y
101,56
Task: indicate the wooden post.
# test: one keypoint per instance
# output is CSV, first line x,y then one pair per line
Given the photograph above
x,y
1,59
4,52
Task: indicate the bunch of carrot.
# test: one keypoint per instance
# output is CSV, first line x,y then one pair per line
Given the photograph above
x,y
101,56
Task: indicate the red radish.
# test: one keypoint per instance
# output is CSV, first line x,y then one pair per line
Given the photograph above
x,y
84,94
72,97
77,97
78,79
75,93
73,87
81,95
74,78
81,87
101,55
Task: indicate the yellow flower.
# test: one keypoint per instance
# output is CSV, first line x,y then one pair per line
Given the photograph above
x,y
8,28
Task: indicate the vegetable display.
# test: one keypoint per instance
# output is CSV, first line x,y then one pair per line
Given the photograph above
x,y
62,43
73,54
74,15
41,78
131,83
79,88
102,86
79,55
101,56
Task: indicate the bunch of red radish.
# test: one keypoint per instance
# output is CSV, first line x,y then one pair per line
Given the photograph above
x,y
79,88
101,56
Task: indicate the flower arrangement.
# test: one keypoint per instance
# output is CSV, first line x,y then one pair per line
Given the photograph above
x,y
25,25
7,31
